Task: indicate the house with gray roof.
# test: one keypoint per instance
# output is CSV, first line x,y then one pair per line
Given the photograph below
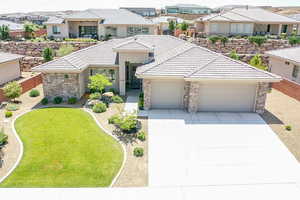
x,y
172,73
187,9
246,21
99,23
9,67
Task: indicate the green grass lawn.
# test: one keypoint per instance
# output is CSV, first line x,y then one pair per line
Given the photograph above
x,y
64,147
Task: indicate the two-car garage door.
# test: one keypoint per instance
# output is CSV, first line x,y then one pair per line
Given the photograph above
x,y
227,97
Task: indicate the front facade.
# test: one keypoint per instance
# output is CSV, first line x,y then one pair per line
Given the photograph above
x,y
9,67
171,72
187,9
99,24
247,21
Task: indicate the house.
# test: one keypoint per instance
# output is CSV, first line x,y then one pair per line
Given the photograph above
x,y
187,9
144,12
173,73
162,23
246,21
99,23
16,31
9,67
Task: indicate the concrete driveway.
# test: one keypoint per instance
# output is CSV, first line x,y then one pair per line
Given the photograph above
x,y
216,149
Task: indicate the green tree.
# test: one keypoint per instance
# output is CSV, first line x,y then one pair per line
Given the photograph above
x,y
98,83
64,50
257,62
12,90
48,54
184,26
30,29
171,26
234,55
4,32
224,40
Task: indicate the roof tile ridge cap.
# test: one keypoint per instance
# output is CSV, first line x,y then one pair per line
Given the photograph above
x,y
242,15
202,67
167,58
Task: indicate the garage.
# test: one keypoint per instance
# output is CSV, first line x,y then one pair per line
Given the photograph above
x,y
167,94
227,97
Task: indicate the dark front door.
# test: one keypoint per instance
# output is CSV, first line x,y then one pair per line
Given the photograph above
x,y
132,81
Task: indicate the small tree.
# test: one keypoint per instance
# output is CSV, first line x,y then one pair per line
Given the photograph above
x,y
48,54
234,55
224,40
98,83
30,29
171,26
64,50
257,62
12,90
184,26
4,32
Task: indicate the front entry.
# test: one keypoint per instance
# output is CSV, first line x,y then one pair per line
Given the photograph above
x,y
132,82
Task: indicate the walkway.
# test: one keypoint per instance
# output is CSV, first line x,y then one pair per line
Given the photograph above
x,y
131,104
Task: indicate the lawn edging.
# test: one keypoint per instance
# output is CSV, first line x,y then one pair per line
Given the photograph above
x,y
123,146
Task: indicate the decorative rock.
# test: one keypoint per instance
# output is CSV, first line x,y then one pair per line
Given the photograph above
x,y
108,94
92,102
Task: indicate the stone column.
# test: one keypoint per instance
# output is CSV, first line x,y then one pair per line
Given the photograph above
x,y
147,93
194,97
279,29
187,85
261,96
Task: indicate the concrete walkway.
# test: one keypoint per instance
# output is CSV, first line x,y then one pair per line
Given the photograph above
x,y
131,104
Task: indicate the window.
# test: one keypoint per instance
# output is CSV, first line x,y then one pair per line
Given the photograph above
x,y
296,70
111,31
137,30
88,31
56,30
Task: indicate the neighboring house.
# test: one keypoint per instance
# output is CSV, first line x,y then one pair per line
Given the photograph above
x,y
9,67
173,73
145,12
246,21
295,17
163,23
99,23
16,31
187,9
286,63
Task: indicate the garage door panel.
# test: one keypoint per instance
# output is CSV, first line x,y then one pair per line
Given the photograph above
x,y
227,97
167,94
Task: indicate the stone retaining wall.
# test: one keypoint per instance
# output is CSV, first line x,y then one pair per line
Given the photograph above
x,y
29,62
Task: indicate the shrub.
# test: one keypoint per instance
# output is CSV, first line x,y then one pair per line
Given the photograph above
x,y
141,101
234,55
288,127
115,119
184,26
293,40
57,100
44,101
224,40
98,82
283,36
8,114
138,151
12,107
214,39
95,96
117,99
128,123
64,50
3,137
80,40
72,100
99,108
12,90
256,61
48,54
4,32
259,40
34,93
141,136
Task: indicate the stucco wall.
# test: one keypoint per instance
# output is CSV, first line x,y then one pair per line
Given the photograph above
x,y
64,32
9,71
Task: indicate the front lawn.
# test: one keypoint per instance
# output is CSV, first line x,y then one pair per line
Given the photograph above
x,y
64,147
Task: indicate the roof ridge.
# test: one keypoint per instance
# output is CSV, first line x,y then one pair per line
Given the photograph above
x,y
201,67
133,40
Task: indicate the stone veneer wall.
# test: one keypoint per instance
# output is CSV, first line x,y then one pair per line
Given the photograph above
x,y
194,97
261,96
61,84
147,93
28,62
187,86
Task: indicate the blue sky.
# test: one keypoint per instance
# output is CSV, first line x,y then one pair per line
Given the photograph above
x,y
46,5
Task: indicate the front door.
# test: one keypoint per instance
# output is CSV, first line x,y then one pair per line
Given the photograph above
x,y
131,80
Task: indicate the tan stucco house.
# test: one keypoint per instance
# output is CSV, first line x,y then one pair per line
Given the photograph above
x,y
9,67
246,21
286,63
98,23
172,73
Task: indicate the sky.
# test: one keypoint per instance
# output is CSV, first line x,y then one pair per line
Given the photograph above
x,y
8,6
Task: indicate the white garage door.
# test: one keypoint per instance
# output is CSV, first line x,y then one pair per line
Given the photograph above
x,y
167,93
227,97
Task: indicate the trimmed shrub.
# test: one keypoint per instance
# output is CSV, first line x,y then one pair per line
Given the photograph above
x,y
12,90
117,99
141,101
138,152
44,101
8,114
141,136
95,96
48,54
224,40
288,127
256,61
72,100
115,119
58,100
259,40
128,123
12,107
3,137
234,55
34,93
214,39
99,108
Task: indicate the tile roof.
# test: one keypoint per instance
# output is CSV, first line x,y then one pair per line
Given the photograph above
x,y
255,15
12,25
172,57
5,57
54,20
292,54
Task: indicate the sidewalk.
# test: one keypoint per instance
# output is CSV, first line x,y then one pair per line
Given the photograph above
x,y
131,104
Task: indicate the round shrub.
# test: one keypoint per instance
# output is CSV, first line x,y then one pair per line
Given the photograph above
x,y
288,127
138,151
117,99
99,108
57,100
72,100
141,136
34,93
12,107
95,96
44,101
115,119
8,114
3,137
